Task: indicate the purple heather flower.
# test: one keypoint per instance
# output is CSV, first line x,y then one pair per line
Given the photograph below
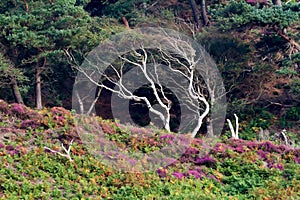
x,y
199,169
61,118
276,166
178,175
213,177
1,145
152,142
218,147
107,128
13,152
191,151
262,154
282,148
297,160
139,131
279,166
206,160
186,158
195,173
235,142
9,148
58,110
4,130
28,123
189,155
167,136
251,145
269,146
162,172
17,108
239,149
132,162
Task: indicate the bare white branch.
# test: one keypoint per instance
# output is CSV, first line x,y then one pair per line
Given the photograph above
x,y
234,133
67,152
180,60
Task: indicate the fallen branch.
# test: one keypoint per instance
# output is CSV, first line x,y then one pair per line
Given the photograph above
x,y
67,152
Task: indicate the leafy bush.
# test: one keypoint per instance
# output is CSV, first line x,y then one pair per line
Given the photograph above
x,y
293,114
239,13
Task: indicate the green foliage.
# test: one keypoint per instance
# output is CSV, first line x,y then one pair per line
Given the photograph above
x,y
50,27
295,87
9,72
262,119
243,169
290,65
290,118
294,59
40,35
239,13
293,114
131,9
47,25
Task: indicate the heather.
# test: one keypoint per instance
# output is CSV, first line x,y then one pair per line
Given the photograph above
x,y
93,94
225,168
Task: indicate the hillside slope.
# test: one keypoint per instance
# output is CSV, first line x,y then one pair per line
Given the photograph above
x,y
230,169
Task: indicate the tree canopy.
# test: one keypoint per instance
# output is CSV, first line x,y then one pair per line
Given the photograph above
x,y
255,45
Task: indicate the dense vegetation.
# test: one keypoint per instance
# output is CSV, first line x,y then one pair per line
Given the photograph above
x,y
256,47
230,169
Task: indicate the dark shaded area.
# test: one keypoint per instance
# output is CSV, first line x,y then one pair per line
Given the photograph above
x,y
95,7
139,111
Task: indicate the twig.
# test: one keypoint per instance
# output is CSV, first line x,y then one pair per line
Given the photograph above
x,y
67,152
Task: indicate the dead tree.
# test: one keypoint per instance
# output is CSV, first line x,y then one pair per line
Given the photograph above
x,y
157,61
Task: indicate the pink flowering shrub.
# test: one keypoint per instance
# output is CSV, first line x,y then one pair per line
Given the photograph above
x,y
179,175
29,123
206,160
17,109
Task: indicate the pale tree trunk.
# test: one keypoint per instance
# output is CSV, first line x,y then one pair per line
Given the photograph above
x,y
276,2
38,81
210,130
205,19
16,91
81,107
38,88
195,14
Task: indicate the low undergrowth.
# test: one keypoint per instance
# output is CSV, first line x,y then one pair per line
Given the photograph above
x,y
228,169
